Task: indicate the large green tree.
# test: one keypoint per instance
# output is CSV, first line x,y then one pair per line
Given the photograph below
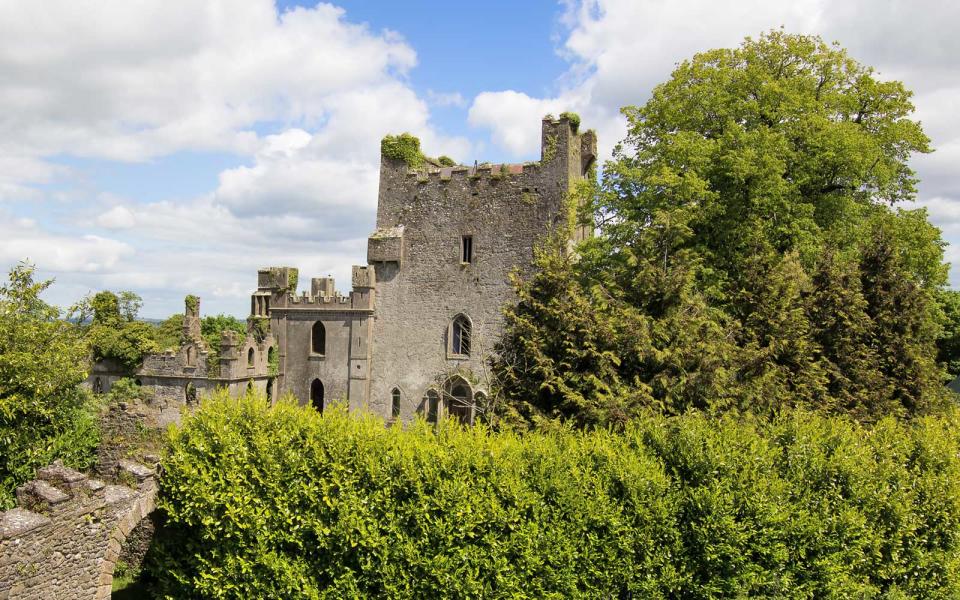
x,y
748,221
43,359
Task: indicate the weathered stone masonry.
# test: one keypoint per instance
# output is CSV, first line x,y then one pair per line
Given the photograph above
x,y
68,532
415,334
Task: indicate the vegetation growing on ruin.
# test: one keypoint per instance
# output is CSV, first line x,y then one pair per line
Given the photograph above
x,y
212,328
44,415
192,304
405,147
114,333
446,161
573,118
281,501
749,256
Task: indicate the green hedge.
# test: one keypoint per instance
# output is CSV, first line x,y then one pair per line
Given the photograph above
x,y
282,502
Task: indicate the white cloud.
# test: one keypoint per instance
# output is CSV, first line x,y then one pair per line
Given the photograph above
x,y
134,81
118,217
22,239
444,99
130,81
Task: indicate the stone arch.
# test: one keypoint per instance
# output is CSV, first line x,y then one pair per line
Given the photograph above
x,y
191,356
138,512
251,356
459,400
316,395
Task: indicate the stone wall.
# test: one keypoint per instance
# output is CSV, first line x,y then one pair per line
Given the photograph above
x,y
68,531
422,281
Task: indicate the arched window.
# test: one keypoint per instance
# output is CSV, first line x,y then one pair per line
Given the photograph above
x,y
191,356
433,406
190,394
395,403
318,340
316,395
460,336
249,387
251,355
270,389
460,400
271,355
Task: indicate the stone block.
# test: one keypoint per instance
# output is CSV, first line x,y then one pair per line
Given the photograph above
x,y
38,493
62,477
17,522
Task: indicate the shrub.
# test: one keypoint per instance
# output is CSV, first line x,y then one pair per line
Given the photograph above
x,y
279,501
44,415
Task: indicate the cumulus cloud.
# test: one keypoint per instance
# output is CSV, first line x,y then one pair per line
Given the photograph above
x,y
129,81
301,97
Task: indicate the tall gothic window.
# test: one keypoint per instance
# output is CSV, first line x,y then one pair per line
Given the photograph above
x,y
251,354
460,332
318,343
395,403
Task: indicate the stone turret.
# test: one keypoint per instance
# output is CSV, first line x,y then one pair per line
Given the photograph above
x,y
191,320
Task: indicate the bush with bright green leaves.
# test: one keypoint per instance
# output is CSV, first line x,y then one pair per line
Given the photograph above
x,y
44,414
283,502
405,147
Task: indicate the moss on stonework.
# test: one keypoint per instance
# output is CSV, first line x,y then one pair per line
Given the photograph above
x,y
573,118
549,149
294,278
193,304
260,327
405,147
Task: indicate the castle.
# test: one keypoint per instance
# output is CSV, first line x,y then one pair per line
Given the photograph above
x,y
415,333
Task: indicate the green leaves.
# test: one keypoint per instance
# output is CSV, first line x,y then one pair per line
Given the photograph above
x,y
43,359
752,191
282,501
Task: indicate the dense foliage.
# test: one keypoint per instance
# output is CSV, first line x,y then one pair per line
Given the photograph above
x,y
44,415
212,328
283,502
114,333
748,255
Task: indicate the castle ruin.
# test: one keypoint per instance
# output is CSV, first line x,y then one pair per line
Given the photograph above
x,y
415,334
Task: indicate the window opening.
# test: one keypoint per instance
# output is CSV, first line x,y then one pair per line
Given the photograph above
x,y
461,403
466,249
460,343
433,406
319,339
316,395
395,403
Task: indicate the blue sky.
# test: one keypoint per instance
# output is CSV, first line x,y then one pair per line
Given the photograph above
x,y
174,146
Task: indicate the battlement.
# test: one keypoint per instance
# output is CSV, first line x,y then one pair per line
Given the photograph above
x,y
566,156
324,296
66,534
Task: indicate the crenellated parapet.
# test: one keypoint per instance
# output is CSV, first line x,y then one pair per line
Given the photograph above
x,y
67,532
